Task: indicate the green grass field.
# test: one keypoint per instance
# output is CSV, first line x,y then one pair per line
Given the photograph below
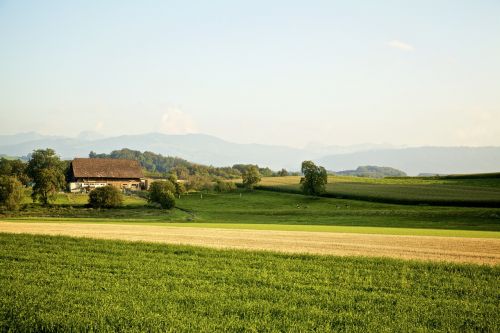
x,y
267,209
80,199
261,207
481,192
64,284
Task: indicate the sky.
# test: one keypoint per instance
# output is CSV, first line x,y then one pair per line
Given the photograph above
x,y
272,72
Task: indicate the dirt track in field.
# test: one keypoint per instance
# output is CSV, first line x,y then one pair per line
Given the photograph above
x,y
469,250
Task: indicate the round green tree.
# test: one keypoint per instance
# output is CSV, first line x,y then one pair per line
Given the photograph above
x,y
314,180
47,172
251,176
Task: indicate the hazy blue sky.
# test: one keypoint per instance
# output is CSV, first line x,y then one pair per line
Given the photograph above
x,y
281,72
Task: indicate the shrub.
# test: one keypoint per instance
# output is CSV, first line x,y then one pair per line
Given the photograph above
x,y
105,197
179,187
158,187
199,183
11,192
167,200
222,186
162,193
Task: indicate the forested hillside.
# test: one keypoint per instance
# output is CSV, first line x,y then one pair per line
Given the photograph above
x,y
159,165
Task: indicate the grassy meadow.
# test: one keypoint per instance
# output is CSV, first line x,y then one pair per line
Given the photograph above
x,y
440,191
276,210
66,284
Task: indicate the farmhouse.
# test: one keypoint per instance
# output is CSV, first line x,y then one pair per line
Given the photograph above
x,y
89,173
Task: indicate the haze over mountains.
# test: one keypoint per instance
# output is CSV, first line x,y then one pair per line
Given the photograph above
x,y
207,149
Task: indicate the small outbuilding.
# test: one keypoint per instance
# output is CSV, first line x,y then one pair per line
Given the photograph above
x,y
89,173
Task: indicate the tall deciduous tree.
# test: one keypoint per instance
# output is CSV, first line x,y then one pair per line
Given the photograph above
x,y
314,180
282,173
47,172
251,176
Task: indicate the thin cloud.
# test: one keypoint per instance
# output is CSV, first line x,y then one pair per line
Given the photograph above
x,y
99,126
397,44
174,121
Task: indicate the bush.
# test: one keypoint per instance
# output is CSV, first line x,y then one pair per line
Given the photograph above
x,y
199,183
162,193
222,186
105,197
158,187
179,187
167,200
11,192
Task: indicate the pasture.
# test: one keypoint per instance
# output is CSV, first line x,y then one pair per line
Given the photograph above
x,y
274,210
472,192
65,284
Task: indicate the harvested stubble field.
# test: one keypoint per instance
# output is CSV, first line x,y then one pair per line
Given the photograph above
x,y
55,284
471,250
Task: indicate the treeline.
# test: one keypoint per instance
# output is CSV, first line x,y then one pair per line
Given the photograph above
x,y
14,168
463,176
157,165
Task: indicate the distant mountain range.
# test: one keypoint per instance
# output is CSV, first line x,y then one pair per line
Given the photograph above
x,y
211,150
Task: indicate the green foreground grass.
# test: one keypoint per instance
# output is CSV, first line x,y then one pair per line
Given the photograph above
x,y
66,284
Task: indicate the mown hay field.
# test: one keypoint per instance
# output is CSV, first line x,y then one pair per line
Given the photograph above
x,y
65,284
483,250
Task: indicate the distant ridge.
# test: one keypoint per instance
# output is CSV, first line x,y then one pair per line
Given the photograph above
x,y
210,150
372,171
430,160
